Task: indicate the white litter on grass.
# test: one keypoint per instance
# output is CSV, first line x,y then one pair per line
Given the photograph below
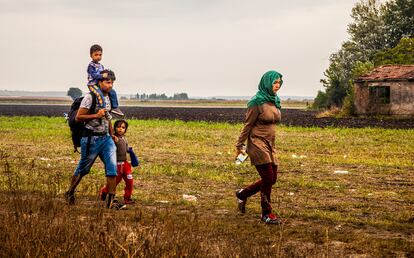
x,y
370,194
132,237
299,157
341,172
290,193
219,153
190,198
41,158
162,201
352,190
345,156
48,165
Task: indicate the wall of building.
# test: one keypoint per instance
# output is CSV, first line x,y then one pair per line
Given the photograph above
x,y
401,99
361,98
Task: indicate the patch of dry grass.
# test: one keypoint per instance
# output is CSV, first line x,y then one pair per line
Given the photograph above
x,y
365,212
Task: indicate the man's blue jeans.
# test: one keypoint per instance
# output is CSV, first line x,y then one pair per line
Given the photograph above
x,y
102,146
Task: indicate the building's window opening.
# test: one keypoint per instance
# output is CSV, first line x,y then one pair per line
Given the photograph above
x,y
379,94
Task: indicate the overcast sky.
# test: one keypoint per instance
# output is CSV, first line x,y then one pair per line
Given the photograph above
x,y
202,47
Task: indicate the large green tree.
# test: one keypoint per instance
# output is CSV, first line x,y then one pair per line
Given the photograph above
x,y
338,75
398,21
74,93
403,53
367,28
375,27
366,32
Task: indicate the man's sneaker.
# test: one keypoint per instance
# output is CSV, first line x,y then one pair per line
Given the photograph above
x,y
70,197
271,219
102,194
129,201
116,112
116,205
241,203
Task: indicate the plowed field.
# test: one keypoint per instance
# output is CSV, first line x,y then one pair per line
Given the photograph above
x,y
294,117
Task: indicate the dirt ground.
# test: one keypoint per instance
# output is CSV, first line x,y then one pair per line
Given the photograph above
x,y
293,117
365,212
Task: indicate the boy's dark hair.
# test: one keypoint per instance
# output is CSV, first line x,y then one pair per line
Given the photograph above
x,y
119,122
95,48
111,75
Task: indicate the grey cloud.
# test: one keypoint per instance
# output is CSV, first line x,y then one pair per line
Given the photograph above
x,y
209,47
228,9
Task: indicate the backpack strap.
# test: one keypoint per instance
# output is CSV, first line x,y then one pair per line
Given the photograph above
x,y
93,105
91,111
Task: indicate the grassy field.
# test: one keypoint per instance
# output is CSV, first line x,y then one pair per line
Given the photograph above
x,y
365,213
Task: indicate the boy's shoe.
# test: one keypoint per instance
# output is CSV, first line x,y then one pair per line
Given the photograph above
x,y
102,194
116,205
108,116
271,219
70,197
241,203
116,112
129,201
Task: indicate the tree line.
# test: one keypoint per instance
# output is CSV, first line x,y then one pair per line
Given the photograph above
x,y
380,33
154,96
74,93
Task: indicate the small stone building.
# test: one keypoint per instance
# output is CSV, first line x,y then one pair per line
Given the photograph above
x,y
387,90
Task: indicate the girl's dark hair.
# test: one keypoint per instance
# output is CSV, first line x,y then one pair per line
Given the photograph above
x,y
118,123
95,48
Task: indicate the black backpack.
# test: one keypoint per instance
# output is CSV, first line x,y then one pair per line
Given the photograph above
x,y
77,128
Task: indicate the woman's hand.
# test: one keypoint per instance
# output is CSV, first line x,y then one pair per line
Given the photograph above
x,y
238,151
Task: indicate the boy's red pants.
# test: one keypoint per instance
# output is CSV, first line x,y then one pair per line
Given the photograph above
x,y
124,171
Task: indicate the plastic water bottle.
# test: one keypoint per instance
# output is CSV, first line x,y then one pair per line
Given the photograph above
x,y
66,116
242,156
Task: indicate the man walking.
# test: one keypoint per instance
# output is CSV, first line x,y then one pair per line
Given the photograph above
x,y
96,141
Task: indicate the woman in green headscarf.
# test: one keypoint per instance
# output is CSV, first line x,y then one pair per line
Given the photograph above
x,y
263,112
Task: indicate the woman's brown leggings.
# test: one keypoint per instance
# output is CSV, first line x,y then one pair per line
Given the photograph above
x,y
268,174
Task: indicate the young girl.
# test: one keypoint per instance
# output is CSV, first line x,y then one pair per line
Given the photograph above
x,y
123,166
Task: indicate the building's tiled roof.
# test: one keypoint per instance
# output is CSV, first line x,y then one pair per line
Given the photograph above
x,y
389,73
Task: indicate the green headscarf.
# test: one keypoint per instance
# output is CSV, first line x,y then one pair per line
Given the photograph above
x,y
265,93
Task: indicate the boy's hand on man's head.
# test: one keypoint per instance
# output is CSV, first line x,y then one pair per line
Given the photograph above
x,y
105,75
